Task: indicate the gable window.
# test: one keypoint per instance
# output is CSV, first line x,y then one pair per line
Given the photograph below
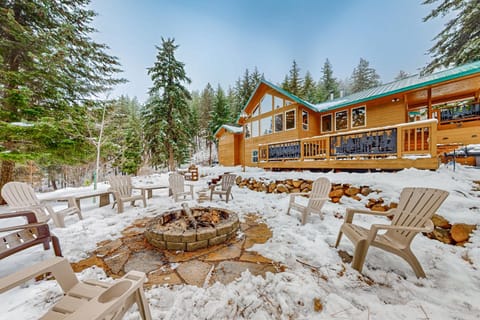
x,y
277,102
304,120
254,129
279,122
327,123
341,120
358,117
266,125
266,104
290,120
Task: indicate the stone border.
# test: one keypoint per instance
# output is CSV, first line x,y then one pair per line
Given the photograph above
x,y
191,240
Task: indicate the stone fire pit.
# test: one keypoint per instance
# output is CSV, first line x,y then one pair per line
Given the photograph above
x,y
190,229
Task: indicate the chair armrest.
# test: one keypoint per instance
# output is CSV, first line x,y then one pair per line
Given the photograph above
x,y
23,226
31,217
60,268
350,212
428,228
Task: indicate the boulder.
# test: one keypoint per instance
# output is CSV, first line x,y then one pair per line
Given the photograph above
x,y
441,222
442,235
352,191
297,183
365,190
338,193
281,188
461,231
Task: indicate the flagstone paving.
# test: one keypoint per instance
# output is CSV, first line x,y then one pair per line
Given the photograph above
x,y
223,263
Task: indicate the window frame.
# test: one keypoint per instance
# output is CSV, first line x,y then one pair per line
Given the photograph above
x,y
282,122
364,107
331,123
346,124
305,124
294,119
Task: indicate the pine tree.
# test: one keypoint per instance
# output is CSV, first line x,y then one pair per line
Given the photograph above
x,y
364,77
50,69
328,84
165,129
309,89
207,100
401,75
459,41
220,115
295,83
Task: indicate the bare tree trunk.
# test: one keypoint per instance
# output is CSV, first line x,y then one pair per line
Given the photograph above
x,y
52,177
7,170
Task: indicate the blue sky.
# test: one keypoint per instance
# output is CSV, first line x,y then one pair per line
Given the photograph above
x,y
219,39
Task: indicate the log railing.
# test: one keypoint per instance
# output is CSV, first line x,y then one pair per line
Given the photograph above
x,y
405,140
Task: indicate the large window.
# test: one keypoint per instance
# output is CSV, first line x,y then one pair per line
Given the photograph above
x,y
359,117
266,104
277,102
327,123
254,129
304,120
341,120
290,120
279,122
266,125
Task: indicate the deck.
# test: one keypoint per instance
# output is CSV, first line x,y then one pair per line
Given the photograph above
x,y
387,148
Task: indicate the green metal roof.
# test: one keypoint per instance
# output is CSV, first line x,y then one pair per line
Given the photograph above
x,y
282,91
410,83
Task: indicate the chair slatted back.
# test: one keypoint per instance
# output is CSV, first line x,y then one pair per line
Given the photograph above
x,y
122,184
228,180
21,195
320,189
177,183
415,208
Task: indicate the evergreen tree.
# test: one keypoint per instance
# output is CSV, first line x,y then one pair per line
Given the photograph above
x,y
244,88
165,129
364,77
295,83
221,114
328,84
309,89
401,75
195,119
207,101
50,69
459,41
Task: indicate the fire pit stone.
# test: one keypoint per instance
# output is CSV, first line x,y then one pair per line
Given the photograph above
x,y
190,229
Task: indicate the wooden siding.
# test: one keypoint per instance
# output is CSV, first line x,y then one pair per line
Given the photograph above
x,y
228,154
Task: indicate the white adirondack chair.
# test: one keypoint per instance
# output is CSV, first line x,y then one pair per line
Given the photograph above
x,y
413,215
177,186
89,299
227,182
21,197
121,187
316,199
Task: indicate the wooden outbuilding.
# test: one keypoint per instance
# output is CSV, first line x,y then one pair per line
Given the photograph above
x,y
402,124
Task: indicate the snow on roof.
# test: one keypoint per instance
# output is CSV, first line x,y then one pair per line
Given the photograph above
x,y
233,129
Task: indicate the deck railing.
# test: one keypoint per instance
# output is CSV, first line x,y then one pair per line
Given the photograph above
x,y
409,139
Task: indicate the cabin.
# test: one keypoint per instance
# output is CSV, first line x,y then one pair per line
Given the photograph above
x,y
412,122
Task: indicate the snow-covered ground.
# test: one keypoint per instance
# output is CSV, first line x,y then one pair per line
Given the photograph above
x,y
388,289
